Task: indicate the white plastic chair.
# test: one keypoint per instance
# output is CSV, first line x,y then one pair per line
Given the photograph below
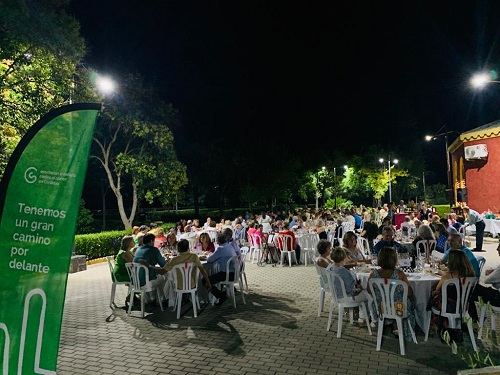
x,y
111,264
390,308
364,245
243,275
134,270
258,248
345,302
212,233
233,263
285,243
454,321
309,242
185,280
324,287
481,260
425,247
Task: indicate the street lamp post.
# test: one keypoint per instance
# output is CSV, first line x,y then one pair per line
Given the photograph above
x,y
318,185
395,161
335,182
448,164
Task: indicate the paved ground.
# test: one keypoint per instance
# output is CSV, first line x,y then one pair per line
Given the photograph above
x,y
276,332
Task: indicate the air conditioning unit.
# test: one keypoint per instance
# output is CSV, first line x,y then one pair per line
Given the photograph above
x,y
475,152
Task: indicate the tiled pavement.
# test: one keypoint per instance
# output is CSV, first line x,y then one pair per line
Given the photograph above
x,y
276,332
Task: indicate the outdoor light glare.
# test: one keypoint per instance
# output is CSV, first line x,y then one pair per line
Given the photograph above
x,y
104,84
480,80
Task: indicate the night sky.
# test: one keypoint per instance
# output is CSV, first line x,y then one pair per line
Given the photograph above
x,y
335,75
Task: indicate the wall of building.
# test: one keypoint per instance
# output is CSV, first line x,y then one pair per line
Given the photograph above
x,y
482,176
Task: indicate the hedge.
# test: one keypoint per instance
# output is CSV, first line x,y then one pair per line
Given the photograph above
x,y
99,245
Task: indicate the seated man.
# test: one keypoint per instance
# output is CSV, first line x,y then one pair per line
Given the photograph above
x,y
151,257
388,240
220,257
185,256
295,245
455,243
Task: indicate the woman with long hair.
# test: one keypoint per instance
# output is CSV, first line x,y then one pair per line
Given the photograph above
x,y
458,266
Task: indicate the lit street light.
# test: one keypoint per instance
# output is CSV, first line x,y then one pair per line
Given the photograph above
x,y
395,161
481,80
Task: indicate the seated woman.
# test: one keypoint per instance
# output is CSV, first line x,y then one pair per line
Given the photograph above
x,y
320,229
441,235
459,265
160,238
324,249
170,245
387,261
124,256
424,232
205,244
353,252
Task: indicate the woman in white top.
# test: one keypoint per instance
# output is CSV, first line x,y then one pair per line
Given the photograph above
x,y
265,220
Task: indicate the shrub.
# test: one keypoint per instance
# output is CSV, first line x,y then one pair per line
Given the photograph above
x,y
98,245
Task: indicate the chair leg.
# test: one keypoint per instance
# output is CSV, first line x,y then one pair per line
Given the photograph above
x,y
380,332
330,315
179,304
471,335
193,301
321,302
365,312
401,336
113,291
339,323
427,325
242,293
143,302
131,302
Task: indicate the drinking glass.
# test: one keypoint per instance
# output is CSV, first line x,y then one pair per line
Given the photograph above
x,y
374,259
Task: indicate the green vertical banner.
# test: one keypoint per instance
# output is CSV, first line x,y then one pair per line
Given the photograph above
x,y
39,199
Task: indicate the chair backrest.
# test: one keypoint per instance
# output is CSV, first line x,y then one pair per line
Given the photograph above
x,y
185,277
337,285
387,302
138,271
463,287
250,240
285,242
481,260
364,245
212,233
323,277
237,267
192,242
257,242
111,264
330,236
425,247
244,250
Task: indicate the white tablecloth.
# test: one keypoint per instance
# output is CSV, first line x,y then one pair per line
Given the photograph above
x,y
421,285
492,226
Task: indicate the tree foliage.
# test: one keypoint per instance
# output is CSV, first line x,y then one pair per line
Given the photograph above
x,y
134,146
40,47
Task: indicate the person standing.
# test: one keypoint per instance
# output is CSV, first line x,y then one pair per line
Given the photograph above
x,y
472,217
